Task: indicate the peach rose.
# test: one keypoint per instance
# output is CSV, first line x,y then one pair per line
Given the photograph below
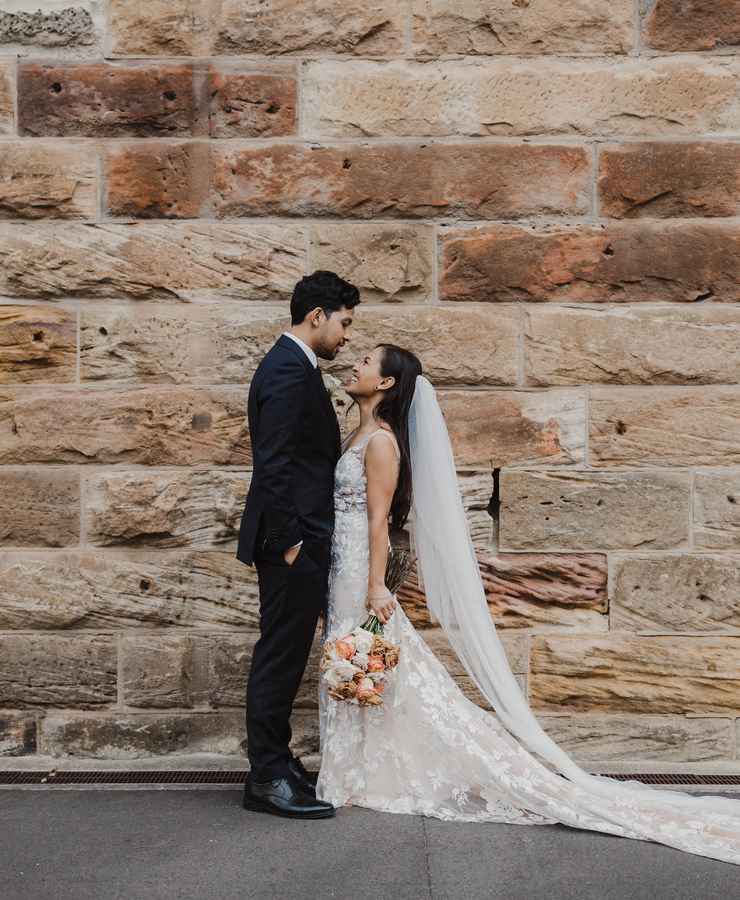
x,y
345,649
375,664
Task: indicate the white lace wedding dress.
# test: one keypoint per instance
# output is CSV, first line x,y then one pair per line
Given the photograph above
x,y
429,750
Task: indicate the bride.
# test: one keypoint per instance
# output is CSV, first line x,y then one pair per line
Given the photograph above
x,y
429,750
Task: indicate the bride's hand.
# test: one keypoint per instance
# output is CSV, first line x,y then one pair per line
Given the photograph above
x,y
382,604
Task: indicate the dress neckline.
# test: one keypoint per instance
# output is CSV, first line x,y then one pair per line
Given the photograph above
x,y
362,442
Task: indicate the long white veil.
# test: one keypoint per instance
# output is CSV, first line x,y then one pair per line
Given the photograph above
x,y
456,599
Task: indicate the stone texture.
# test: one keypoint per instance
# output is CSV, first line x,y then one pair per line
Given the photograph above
x,y
467,345
533,27
60,27
619,263
350,27
42,508
659,180
566,346
17,734
167,426
207,344
686,593
104,100
517,651
585,510
45,670
400,180
655,427
523,97
91,589
37,344
717,509
387,262
7,92
476,489
534,591
198,509
252,104
515,427
161,27
621,673
154,181
617,738
206,671
693,25
46,181
135,736
151,261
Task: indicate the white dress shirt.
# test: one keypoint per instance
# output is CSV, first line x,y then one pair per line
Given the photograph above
x,y
314,362
306,349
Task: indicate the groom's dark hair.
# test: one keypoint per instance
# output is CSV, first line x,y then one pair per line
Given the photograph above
x,y
321,288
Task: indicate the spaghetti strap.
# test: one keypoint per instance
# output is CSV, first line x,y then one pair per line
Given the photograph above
x,y
387,434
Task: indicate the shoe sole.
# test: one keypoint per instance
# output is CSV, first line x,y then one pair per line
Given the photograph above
x,y
258,806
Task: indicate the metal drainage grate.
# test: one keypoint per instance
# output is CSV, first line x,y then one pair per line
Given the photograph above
x,y
52,777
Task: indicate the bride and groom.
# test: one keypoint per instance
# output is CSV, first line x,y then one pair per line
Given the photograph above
x,y
315,526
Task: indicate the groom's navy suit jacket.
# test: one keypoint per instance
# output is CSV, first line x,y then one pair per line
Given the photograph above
x,y
295,446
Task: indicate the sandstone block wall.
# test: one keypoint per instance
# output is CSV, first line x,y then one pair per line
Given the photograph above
x,y
542,197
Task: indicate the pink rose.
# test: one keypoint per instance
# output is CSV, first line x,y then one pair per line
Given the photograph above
x,y
345,649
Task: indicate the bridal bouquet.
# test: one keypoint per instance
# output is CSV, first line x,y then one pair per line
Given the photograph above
x,y
355,666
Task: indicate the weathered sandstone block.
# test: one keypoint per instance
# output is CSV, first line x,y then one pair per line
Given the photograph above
x,y
167,426
690,592
127,589
537,591
533,27
251,104
717,509
622,673
156,181
632,345
133,736
387,262
515,427
39,508
319,26
17,734
616,738
198,509
161,27
659,427
621,263
158,261
505,97
400,180
47,181
45,670
696,25
104,100
584,510
7,92
667,179
37,344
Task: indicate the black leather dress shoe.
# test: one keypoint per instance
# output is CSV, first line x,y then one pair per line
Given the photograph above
x,y
284,797
305,779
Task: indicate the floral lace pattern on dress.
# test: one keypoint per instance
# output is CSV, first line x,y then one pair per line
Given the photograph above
x,y
429,750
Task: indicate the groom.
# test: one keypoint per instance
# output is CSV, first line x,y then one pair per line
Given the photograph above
x,y
286,531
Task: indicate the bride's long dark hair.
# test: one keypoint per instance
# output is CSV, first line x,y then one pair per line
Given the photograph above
x,y
394,408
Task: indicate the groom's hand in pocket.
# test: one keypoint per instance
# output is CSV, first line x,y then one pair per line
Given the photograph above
x,y
292,552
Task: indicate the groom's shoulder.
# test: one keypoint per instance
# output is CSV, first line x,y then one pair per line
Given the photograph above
x,y
281,358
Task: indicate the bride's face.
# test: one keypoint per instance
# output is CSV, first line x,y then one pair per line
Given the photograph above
x,y
366,379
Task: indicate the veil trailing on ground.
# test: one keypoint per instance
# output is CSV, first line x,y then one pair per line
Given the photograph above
x,y
449,574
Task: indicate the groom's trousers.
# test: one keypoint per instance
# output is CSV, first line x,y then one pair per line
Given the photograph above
x,y
291,599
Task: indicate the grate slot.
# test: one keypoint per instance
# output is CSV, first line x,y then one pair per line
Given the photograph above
x,y
51,777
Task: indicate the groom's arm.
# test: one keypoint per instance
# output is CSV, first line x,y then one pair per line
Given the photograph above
x,y
281,403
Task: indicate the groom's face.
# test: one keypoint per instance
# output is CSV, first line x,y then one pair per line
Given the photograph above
x,y
334,332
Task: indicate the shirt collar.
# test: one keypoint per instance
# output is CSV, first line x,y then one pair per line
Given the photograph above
x,y
306,349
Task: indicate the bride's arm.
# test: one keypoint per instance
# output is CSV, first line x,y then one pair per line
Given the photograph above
x,y
381,469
